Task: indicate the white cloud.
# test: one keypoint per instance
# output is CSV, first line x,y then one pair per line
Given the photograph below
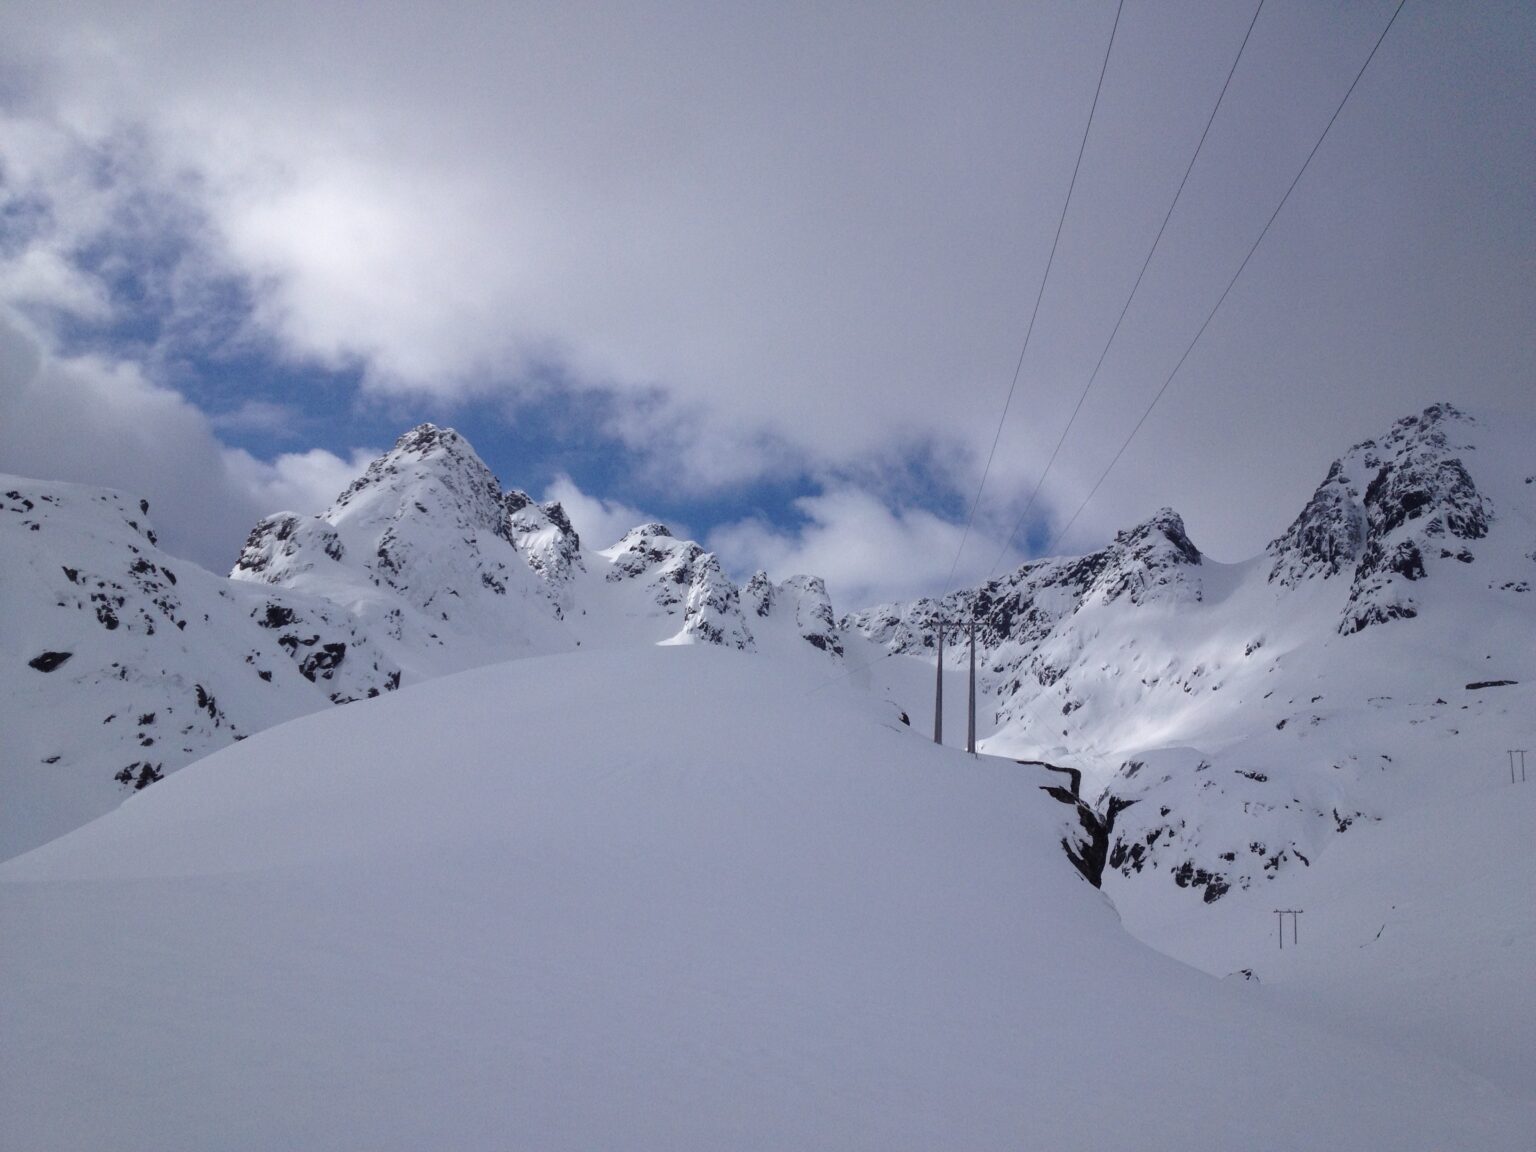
x,y
868,552
93,421
302,482
260,416
815,235
43,276
598,522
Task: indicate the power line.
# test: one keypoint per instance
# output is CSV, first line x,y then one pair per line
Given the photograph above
x,y
1056,539
1163,227
1227,290
847,672
1029,331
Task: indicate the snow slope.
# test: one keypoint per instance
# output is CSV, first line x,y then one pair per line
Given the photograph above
x,y
1419,928
663,898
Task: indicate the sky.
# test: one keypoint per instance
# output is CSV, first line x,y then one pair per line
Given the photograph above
x,y
761,271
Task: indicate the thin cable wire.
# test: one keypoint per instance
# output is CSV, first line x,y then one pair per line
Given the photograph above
x,y
1226,291
841,676
1163,227
1029,331
1057,538
1018,367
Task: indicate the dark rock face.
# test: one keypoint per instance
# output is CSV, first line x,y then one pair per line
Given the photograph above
x,y
140,775
48,661
271,537
759,593
1186,875
277,616
1328,535
1087,842
323,661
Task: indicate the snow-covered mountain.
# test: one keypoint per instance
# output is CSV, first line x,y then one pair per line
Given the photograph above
x,y
674,867
448,571
124,664
423,551
1233,719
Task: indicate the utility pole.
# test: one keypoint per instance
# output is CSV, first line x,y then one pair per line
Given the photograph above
x,y
970,726
938,691
938,686
1513,752
1281,914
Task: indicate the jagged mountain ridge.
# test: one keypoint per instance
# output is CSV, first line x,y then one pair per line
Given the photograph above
x,y
1236,717
427,550
1384,507
425,565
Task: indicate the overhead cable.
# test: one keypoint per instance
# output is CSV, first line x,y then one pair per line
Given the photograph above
x,y
1163,227
1226,291
1029,330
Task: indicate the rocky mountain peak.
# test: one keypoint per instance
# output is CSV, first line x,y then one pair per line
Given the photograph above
x,y
813,612
430,471
428,437
645,531
426,522
1162,531
1386,512
1147,557
758,595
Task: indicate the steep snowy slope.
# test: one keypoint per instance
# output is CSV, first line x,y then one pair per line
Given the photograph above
x,y
1249,713
657,899
121,664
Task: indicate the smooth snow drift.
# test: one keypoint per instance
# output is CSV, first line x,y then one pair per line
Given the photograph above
x,y
665,898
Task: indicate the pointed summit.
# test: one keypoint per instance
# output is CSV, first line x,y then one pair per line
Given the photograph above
x,y
1386,512
430,471
426,542
1148,557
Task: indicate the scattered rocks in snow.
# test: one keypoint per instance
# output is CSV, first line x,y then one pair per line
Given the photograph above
x,y
139,775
